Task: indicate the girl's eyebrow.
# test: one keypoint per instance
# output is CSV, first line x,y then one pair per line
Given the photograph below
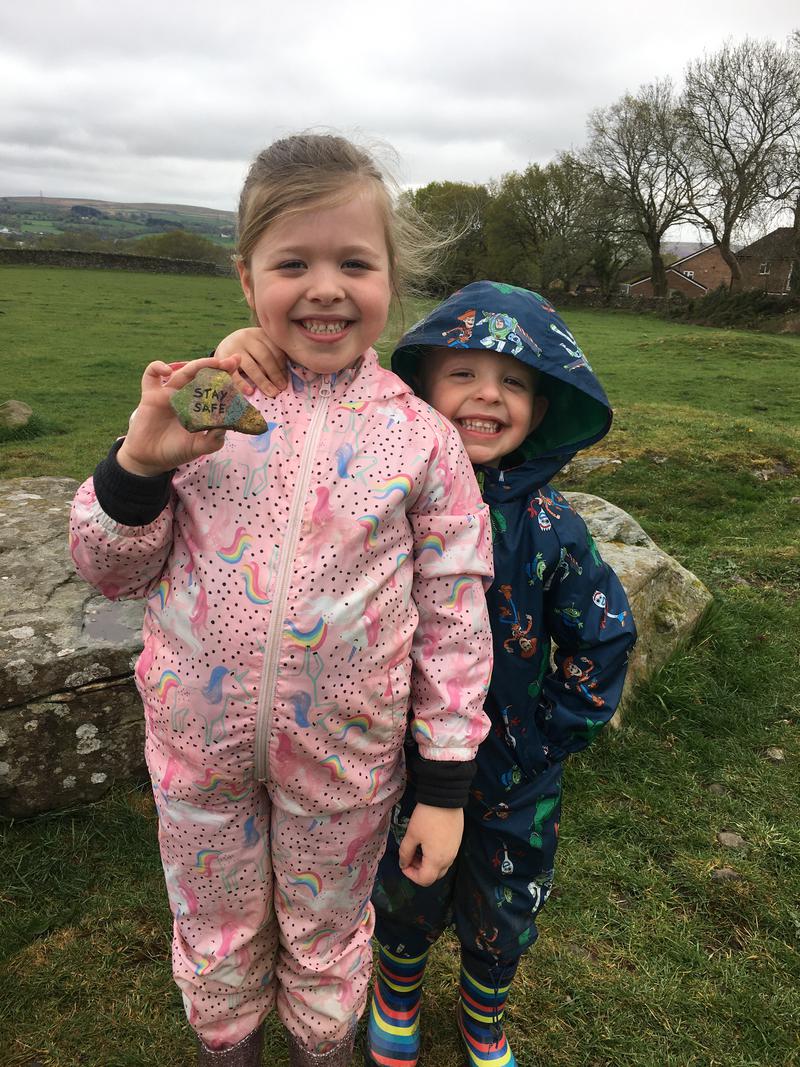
x,y
345,252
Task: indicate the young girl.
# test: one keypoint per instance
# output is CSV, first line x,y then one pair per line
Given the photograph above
x,y
303,587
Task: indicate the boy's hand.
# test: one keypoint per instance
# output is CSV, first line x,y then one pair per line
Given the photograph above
x,y
431,843
156,442
261,363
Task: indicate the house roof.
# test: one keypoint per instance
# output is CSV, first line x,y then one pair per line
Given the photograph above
x,y
775,245
683,277
686,259
678,263
677,273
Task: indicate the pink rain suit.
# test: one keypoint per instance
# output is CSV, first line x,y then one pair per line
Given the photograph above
x,y
303,588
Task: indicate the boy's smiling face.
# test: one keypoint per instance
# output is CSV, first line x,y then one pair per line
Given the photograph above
x,y
490,398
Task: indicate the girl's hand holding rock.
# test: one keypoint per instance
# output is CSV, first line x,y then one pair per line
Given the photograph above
x,y
156,441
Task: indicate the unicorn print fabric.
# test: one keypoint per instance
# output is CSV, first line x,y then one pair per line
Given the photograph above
x,y
304,589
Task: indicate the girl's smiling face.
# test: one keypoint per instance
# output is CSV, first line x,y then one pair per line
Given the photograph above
x,y
489,397
319,282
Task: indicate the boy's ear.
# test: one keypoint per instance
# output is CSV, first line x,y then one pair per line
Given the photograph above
x,y
540,406
245,281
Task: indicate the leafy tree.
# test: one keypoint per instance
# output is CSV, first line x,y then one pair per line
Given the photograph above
x,y
740,112
177,244
84,211
614,246
536,231
77,240
633,151
459,209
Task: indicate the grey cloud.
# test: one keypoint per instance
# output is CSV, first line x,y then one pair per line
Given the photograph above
x,y
151,101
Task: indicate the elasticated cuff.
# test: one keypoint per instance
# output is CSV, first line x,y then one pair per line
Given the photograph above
x,y
442,784
129,498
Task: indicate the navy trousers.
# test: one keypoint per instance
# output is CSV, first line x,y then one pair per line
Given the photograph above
x,y
503,873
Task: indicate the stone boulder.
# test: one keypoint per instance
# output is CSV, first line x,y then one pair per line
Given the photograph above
x,y
70,716
14,414
71,720
667,600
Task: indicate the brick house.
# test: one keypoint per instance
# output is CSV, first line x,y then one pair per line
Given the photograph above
x,y
766,264
694,275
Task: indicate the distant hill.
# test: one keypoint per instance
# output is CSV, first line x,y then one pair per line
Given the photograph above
x,y
111,207
33,217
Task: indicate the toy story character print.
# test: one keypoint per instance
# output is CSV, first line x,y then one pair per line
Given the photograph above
x,y
577,358
600,600
504,330
462,332
578,677
519,633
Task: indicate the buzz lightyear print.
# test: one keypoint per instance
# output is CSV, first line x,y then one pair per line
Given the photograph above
x,y
504,330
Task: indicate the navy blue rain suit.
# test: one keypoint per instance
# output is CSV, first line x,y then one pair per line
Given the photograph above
x,y
552,593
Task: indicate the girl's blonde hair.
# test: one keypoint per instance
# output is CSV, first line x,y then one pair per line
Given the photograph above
x,y
312,170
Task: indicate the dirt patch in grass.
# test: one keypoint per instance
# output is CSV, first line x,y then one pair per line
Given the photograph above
x,y
768,468
42,952
141,803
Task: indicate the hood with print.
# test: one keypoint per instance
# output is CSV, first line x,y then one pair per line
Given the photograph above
x,y
492,316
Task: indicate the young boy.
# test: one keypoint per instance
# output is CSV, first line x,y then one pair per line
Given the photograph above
x,y
500,364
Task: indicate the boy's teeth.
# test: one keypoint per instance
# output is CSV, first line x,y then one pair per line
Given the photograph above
x,y
480,425
323,327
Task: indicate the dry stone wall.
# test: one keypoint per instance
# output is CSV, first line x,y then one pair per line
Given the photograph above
x,y
45,257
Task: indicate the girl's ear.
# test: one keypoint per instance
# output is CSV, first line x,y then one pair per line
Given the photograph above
x,y
540,406
245,282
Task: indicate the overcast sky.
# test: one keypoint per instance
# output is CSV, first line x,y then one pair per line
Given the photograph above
x,y
167,100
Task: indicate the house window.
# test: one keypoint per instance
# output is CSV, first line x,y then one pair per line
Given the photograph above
x,y
688,274
764,268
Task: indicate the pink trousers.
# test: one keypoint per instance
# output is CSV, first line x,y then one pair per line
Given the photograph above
x,y
271,907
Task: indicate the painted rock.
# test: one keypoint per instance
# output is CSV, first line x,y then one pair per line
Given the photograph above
x,y
211,400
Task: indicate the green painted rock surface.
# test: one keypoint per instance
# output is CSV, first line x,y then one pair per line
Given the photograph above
x,y
211,401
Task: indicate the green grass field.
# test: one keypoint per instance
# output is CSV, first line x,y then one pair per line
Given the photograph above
x,y
644,959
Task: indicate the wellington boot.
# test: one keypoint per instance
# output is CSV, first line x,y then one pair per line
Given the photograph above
x,y
481,1006
393,1028
341,1055
245,1053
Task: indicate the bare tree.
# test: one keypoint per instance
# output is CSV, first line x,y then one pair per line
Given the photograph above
x,y
634,151
793,164
784,193
739,109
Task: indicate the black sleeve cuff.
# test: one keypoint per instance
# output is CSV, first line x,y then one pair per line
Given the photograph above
x,y
129,498
441,784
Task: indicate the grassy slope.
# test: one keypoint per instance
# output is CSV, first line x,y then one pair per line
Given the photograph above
x,y
643,959
53,214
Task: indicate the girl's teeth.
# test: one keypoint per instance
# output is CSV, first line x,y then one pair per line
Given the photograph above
x,y
324,327
480,426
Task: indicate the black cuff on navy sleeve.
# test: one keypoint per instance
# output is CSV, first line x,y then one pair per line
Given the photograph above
x,y
440,783
129,498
